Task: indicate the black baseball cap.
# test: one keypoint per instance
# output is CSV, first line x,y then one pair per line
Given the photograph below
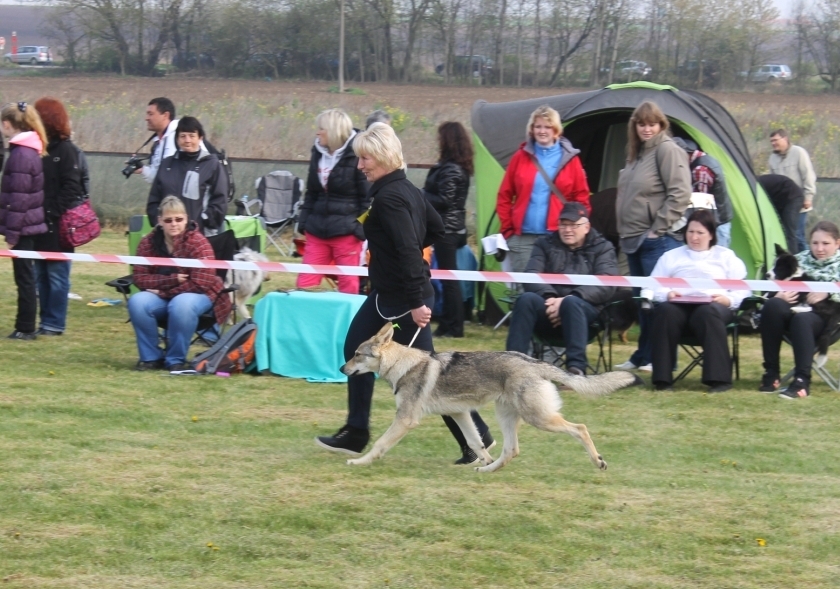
x,y
573,211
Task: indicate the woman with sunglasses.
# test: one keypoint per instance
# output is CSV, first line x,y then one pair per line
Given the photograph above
x,y
179,295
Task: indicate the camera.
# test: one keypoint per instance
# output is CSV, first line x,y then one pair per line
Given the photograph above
x,y
132,164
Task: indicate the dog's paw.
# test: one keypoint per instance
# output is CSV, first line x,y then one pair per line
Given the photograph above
x,y
602,464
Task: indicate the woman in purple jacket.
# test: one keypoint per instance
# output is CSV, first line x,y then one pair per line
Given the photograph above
x,y
22,204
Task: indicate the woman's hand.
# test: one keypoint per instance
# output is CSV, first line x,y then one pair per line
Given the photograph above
x,y
182,278
815,297
721,300
788,296
421,315
154,291
672,294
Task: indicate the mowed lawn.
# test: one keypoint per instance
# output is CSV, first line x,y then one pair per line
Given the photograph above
x,y
111,478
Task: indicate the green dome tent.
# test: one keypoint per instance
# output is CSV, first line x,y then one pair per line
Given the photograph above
x,y
596,123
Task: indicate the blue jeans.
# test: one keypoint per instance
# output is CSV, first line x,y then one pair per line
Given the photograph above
x,y
576,315
641,263
800,232
53,282
182,312
724,234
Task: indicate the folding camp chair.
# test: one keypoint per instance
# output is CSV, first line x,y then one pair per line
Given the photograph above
x,y
277,202
822,370
693,347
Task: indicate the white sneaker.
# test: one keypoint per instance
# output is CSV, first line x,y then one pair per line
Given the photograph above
x,y
625,366
73,296
646,368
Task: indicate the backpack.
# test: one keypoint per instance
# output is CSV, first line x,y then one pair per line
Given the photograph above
x,y
227,167
234,351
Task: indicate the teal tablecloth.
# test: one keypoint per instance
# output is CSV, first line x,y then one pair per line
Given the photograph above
x,y
301,334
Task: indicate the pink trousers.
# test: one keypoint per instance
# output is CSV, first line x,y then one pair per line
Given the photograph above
x,y
340,251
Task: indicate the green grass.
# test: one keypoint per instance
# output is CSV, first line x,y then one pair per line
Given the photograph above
x,y
108,481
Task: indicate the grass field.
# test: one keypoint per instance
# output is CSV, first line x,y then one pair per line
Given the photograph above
x,y
112,478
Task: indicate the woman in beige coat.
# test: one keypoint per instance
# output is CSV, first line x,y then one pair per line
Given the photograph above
x,y
654,190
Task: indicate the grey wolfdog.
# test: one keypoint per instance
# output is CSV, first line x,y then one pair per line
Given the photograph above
x,y
454,383
249,281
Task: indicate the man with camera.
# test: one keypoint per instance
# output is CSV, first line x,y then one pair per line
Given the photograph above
x,y
160,120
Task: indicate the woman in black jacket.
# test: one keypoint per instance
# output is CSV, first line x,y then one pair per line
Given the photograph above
x,y
336,195
446,189
399,224
195,176
63,190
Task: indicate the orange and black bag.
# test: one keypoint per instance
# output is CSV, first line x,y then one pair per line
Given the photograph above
x,y
233,353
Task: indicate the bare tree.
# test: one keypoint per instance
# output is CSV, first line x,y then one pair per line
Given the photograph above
x,y
823,40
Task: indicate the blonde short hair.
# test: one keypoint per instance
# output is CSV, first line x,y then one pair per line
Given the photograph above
x,y
338,126
171,204
380,142
547,113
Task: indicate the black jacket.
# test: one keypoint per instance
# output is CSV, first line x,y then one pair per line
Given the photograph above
x,y
198,181
62,191
400,224
333,212
780,189
596,256
447,185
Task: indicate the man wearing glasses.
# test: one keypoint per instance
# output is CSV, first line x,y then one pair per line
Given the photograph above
x,y
554,310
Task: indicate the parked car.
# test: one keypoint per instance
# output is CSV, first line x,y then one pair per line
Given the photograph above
x,y
770,73
477,66
30,55
629,71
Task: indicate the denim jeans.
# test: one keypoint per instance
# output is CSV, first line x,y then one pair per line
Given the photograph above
x,y
724,234
53,282
576,315
641,263
181,312
800,232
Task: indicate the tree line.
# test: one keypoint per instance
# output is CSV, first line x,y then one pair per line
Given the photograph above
x,y
502,42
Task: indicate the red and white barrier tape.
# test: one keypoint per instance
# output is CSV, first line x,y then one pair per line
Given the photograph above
x,y
520,277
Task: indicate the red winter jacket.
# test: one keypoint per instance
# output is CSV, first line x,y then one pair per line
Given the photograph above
x,y
515,191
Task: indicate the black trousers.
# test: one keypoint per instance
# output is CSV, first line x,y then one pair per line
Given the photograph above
x,y
365,325
446,252
27,296
803,329
707,323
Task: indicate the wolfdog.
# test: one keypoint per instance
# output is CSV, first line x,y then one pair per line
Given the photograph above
x,y
786,267
249,281
454,383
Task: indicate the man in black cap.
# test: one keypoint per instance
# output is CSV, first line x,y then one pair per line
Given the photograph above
x,y
554,310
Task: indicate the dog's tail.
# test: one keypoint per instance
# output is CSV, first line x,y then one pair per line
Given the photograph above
x,y
595,385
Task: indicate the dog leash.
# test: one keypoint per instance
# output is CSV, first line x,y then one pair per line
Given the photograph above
x,y
416,333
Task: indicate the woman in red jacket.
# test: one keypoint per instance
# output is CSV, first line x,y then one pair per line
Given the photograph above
x,y
528,207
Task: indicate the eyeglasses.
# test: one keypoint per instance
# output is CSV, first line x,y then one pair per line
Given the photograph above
x,y
169,220
571,226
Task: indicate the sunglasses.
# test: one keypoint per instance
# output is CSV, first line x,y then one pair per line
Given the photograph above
x,y
169,220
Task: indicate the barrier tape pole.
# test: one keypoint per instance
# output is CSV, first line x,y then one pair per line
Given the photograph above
x,y
467,275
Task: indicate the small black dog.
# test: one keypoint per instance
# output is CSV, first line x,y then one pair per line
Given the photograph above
x,y
623,312
786,267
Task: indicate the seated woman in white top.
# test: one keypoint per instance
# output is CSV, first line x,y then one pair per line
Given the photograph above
x,y
706,313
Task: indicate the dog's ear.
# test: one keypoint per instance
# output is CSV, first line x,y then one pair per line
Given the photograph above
x,y
386,334
780,250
